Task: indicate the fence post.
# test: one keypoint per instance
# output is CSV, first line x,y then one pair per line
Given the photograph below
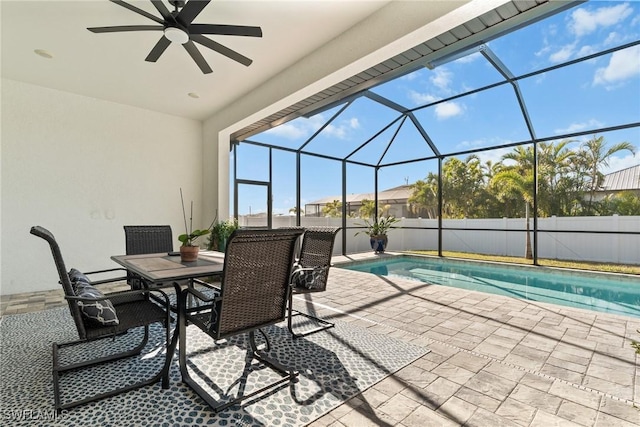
x,y
616,243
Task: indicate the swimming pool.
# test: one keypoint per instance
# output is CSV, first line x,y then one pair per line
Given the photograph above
x,y
609,293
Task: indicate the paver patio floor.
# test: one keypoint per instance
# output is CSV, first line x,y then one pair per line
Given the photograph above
x,y
494,361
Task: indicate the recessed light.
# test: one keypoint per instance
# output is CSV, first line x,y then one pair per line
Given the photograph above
x,y
43,53
193,95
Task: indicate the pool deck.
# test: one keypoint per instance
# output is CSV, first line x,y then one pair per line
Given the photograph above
x,y
494,360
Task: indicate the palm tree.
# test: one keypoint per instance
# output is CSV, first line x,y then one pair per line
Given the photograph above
x,y
554,183
333,209
368,208
425,196
294,210
595,154
517,181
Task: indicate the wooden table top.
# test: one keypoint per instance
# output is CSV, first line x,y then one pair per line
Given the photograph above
x,y
164,267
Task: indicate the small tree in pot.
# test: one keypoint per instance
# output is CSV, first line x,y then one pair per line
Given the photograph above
x,y
220,233
189,250
377,231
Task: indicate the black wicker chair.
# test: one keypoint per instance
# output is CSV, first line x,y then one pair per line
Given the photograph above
x,y
133,309
311,272
254,294
146,239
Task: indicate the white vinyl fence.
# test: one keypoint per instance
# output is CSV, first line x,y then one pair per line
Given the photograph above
x,y
571,244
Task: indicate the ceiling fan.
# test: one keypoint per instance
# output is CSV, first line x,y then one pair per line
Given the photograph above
x,y
178,27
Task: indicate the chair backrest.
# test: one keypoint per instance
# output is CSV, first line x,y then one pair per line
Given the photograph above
x,y
148,239
255,286
63,275
316,251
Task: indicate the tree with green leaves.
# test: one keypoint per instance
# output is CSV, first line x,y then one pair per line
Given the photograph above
x,y
368,208
294,210
464,190
424,196
555,195
623,203
595,154
333,209
567,181
516,181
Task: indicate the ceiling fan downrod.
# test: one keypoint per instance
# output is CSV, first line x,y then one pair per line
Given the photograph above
x,y
178,4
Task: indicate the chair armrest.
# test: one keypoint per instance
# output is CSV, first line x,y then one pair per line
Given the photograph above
x,y
215,287
202,296
106,271
299,269
108,280
207,284
120,294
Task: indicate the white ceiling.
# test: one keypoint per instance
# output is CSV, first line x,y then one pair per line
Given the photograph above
x,y
111,66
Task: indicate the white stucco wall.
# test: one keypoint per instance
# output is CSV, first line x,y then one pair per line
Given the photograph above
x,y
83,168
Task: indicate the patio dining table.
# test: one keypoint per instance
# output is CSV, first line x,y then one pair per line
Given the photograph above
x,y
160,268
167,269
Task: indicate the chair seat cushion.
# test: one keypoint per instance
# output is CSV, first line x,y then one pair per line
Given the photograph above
x,y
100,311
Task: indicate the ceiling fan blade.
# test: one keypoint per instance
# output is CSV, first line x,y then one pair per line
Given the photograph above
x,y
197,57
223,50
158,49
226,30
120,28
190,10
162,9
138,11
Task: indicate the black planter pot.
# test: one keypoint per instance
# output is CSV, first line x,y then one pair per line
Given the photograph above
x,y
378,243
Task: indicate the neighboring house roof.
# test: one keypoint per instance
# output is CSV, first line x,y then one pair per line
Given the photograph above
x,y
398,194
625,179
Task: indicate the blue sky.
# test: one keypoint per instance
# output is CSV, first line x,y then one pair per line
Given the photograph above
x,y
600,92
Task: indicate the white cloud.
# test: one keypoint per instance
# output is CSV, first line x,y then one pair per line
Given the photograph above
x,y
584,21
563,54
441,79
495,156
544,49
422,98
343,129
288,131
336,131
411,76
299,129
613,38
540,78
623,64
448,109
585,51
619,163
577,127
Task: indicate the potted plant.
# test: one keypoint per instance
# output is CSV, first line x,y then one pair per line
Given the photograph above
x,y
189,250
220,233
377,231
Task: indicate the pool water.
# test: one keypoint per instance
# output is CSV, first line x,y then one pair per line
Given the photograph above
x,y
609,293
